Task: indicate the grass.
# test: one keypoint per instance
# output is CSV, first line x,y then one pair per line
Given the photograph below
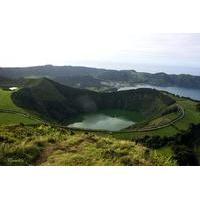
x,y
167,150
44,145
162,120
12,118
6,101
192,115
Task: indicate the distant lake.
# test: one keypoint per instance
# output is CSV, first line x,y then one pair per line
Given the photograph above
x,y
111,120
183,92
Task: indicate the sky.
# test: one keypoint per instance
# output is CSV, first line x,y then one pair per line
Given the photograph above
x,y
107,34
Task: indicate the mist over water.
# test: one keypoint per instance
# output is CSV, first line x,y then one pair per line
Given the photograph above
x,y
103,122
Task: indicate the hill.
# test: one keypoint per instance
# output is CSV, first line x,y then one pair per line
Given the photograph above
x,y
58,102
12,114
8,82
23,145
45,145
83,77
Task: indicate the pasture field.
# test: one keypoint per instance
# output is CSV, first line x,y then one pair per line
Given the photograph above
x,y
16,115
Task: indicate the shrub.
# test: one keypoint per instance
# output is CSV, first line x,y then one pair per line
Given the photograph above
x,y
127,161
154,142
72,133
51,140
198,107
184,155
21,124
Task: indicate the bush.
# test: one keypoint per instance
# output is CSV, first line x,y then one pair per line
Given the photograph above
x,y
72,133
184,156
154,142
51,140
21,124
198,107
127,161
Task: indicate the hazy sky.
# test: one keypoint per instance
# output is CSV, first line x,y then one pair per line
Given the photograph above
x,y
93,33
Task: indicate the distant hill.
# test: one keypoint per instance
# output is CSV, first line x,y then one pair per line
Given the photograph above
x,y
84,77
58,102
8,82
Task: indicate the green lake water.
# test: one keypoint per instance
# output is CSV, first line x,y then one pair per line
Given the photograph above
x,y
112,120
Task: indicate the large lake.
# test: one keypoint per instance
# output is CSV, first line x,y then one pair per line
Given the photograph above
x,y
184,92
111,120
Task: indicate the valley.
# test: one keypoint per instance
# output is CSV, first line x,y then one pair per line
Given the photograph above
x,y
150,119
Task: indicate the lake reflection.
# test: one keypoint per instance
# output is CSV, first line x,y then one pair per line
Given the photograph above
x,y
184,92
103,122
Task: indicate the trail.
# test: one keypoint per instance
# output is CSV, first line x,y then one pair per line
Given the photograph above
x,y
20,113
181,116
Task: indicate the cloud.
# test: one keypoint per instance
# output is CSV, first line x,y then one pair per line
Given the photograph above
x,y
69,32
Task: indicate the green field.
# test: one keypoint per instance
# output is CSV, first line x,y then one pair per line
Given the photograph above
x,y
12,119
6,118
191,114
6,101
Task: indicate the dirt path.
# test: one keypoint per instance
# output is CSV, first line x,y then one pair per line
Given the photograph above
x,y
45,154
181,116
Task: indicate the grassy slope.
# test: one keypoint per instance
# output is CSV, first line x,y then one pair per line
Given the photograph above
x,y
6,102
57,102
191,116
44,145
9,118
94,156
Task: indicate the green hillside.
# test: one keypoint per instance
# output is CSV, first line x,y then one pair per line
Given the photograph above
x,y
44,145
12,114
192,116
58,102
175,144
